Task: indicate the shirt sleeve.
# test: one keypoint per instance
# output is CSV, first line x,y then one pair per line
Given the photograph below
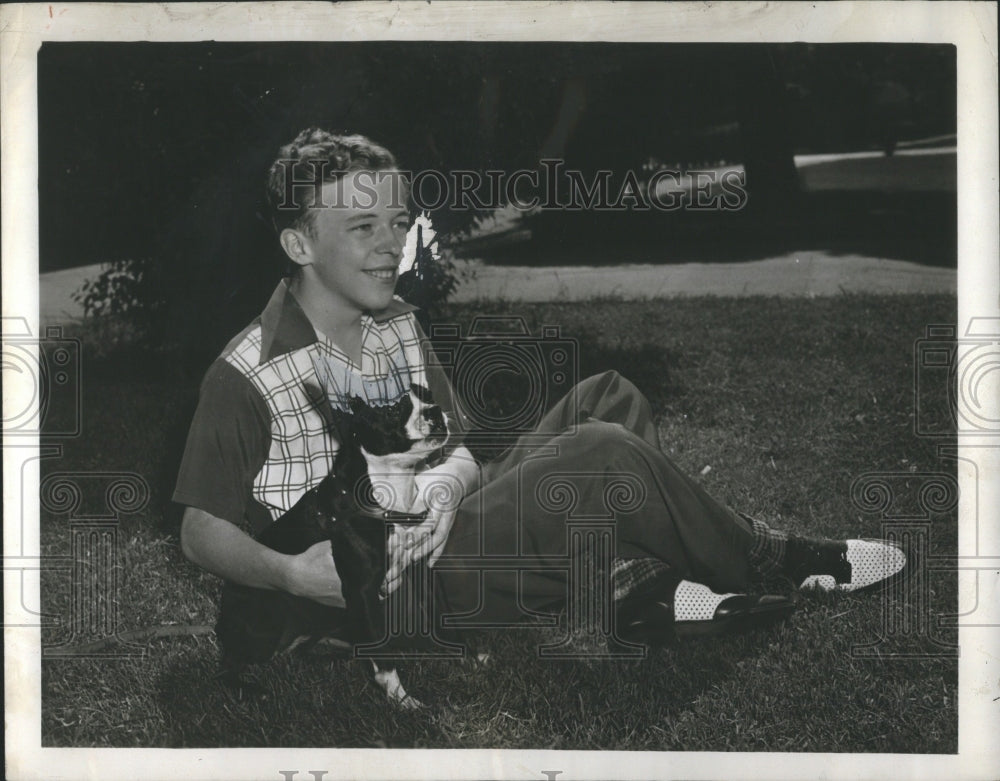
x,y
226,446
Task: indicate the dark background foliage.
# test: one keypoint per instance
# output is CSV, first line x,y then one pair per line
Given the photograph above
x,y
153,154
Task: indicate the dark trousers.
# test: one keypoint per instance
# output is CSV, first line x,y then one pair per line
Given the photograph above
x,y
593,459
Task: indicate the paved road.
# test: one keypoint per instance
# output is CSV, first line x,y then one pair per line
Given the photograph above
x,y
806,274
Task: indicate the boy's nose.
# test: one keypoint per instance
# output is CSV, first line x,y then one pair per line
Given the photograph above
x,y
389,243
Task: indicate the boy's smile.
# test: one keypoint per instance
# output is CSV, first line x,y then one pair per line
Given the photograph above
x,y
350,255
384,274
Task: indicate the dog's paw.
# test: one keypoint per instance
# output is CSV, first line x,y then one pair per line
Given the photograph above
x,y
409,703
394,691
475,662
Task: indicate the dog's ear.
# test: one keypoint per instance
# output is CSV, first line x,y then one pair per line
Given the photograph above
x,y
359,407
421,393
340,423
337,421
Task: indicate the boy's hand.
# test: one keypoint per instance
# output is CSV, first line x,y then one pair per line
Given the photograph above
x,y
313,575
400,554
412,543
440,491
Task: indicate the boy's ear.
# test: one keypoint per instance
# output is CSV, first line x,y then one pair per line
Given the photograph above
x,y
296,246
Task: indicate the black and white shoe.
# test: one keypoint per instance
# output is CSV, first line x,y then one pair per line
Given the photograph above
x,y
667,609
844,565
699,611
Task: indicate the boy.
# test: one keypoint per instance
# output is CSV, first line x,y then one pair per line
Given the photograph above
x,y
257,443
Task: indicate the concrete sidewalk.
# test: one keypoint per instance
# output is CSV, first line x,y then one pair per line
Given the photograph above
x,y
803,274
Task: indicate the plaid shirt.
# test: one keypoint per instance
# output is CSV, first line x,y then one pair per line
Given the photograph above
x,y
260,381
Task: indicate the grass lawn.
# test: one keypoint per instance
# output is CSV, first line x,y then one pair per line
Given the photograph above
x,y
787,400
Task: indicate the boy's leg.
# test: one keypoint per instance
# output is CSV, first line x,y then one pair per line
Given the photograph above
x,y
670,519
849,565
604,427
611,398
608,397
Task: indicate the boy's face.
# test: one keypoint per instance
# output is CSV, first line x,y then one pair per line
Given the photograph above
x,y
357,240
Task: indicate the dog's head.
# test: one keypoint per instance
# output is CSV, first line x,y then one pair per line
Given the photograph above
x,y
410,429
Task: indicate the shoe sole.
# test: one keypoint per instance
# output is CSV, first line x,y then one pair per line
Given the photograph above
x,y
747,620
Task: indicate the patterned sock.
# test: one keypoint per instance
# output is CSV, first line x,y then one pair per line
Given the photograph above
x,y
630,575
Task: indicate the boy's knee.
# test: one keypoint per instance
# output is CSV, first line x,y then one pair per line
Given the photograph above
x,y
610,384
608,378
602,435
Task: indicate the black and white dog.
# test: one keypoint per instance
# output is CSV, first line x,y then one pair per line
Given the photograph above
x,y
370,488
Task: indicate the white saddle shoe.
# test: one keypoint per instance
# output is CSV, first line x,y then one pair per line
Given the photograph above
x,y
869,563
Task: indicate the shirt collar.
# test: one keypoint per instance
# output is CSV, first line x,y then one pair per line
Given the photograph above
x,y
285,327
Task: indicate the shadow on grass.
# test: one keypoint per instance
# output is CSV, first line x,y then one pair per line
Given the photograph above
x,y
315,700
302,699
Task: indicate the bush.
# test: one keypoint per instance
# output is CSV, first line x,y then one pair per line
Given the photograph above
x,y
126,293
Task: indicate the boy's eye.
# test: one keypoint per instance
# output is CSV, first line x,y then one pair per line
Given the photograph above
x,y
364,227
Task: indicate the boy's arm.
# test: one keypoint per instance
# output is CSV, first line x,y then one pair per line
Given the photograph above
x,y
227,444
459,466
440,490
225,550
